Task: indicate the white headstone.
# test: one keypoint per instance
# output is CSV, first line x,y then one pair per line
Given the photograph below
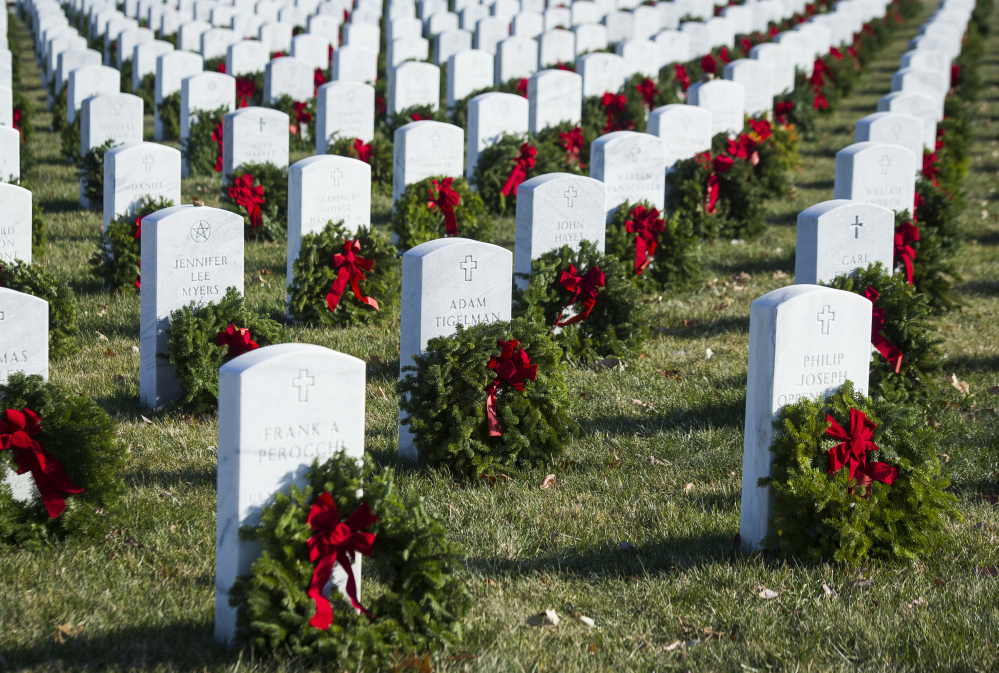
x,y
413,83
24,333
408,26
725,99
144,59
584,11
254,135
876,173
314,399
10,155
489,31
451,42
313,49
556,46
277,36
446,282
73,59
756,78
408,48
471,14
115,117
601,73
632,166
781,59
927,59
645,22
423,149
440,22
918,105
216,41
684,129
189,253
559,17
528,24
590,37
362,35
804,341
554,96
136,170
288,75
468,71
189,35
355,64
246,57
640,57
516,58
490,116
836,237
894,128
324,189
15,229
327,26
87,81
919,80
171,69
700,37
346,109
129,39
674,46
619,26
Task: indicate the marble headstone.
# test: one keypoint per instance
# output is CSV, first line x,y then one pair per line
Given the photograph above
x,y
490,116
246,58
601,72
144,57
355,64
24,334
10,154
684,129
725,99
836,237
136,170
414,83
918,105
895,128
288,75
556,46
87,81
206,91
254,135
554,96
467,72
15,227
171,69
313,49
632,166
423,149
516,58
781,59
756,78
346,109
876,173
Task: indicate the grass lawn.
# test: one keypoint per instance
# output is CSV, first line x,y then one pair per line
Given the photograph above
x,y
144,598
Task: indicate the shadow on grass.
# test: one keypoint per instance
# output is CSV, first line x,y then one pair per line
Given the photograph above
x,y
728,324
967,364
980,288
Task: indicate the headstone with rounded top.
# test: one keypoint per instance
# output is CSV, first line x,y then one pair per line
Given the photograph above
x,y
171,69
554,96
684,129
632,166
87,81
601,73
15,228
895,128
246,57
781,59
10,154
839,236
725,99
344,109
290,76
424,149
24,332
144,57
413,84
877,173
137,170
590,37
254,135
756,78
490,116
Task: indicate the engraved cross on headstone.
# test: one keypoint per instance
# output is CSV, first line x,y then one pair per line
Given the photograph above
x,y
884,163
826,317
570,194
634,152
685,122
434,139
303,383
468,265
149,161
896,130
262,124
116,107
857,224
335,176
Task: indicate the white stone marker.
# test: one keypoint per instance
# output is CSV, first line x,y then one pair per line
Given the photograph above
x,y
556,46
408,48
804,341
528,24
557,209
24,333
489,31
516,58
10,154
561,17
894,128
756,78
70,61
927,60
468,71
322,189
171,69
640,57
445,282
684,129
314,398
313,49
246,57
674,46
413,83
725,99
216,41
346,109
554,96
781,59
424,149
288,75
451,42
355,64
590,37
876,173
601,72
254,135
700,38
632,166
918,105
189,35
490,115
326,25
277,36
112,116
206,91
362,35
189,253
144,59
136,170
87,81
836,237
15,227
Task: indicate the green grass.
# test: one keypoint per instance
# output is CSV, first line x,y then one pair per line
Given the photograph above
x,y
143,599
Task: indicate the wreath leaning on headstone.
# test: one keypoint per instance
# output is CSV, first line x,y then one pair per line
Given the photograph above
x,y
505,165
69,140
301,121
118,262
201,338
589,298
169,109
259,192
69,447
91,172
203,146
35,280
416,599
438,207
855,477
377,154
657,252
345,278
490,396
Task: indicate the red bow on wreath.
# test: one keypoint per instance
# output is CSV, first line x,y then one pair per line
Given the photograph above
x,y
723,55
572,143
513,366
349,266
720,164
709,64
819,102
16,122
905,234
446,199
583,287
743,147
522,86
237,340
649,91
762,128
17,432
302,116
647,225
614,105
335,541
890,353
217,135
249,197
930,168
680,72
782,111
939,144
362,150
521,164
852,452
318,79
245,88
955,76
836,53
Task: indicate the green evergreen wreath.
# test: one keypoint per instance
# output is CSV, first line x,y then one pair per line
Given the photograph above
x,y
412,583
35,280
69,139
125,80
39,228
415,113
413,222
676,264
935,271
92,173
794,108
615,327
497,162
315,272
822,516
59,108
445,399
83,438
147,92
905,326
199,148
380,160
194,351
169,109
566,162
302,118
274,211
779,157
118,262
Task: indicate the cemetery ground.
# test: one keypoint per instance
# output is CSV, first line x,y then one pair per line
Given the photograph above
x,y
657,466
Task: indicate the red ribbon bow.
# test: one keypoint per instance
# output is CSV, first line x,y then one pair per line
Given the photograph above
x,y
744,147
362,150
614,105
522,163
939,144
349,267
836,53
446,199
852,452
583,287
318,79
17,432
237,340
302,116
245,88
649,91
930,168
905,234
16,122
249,197
889,352
709,64
819,102
745,46
217,135
782,111
513,366
647,225
723,55
682,77
720,164
336,541
572,143
955,76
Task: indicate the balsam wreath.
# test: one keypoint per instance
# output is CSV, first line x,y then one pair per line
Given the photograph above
x,y
505,165
657,252
377,154
118,262
201,338
301,121
203,146
421,213
324,275
457,401
572,142
825,516
69,141
259,192
91,171
926,246
35,280
907,355
412,586
82,438
592,300
169,109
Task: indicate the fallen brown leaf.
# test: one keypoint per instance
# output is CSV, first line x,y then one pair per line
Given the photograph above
x,y
197,202
688,488
585,396
961,386
938,582
548,482
946,458
689,323
671,374
414,664
65,631
987,571
382,393
642,356
779,274
711,633
672,646
718,307
101,337
110,353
